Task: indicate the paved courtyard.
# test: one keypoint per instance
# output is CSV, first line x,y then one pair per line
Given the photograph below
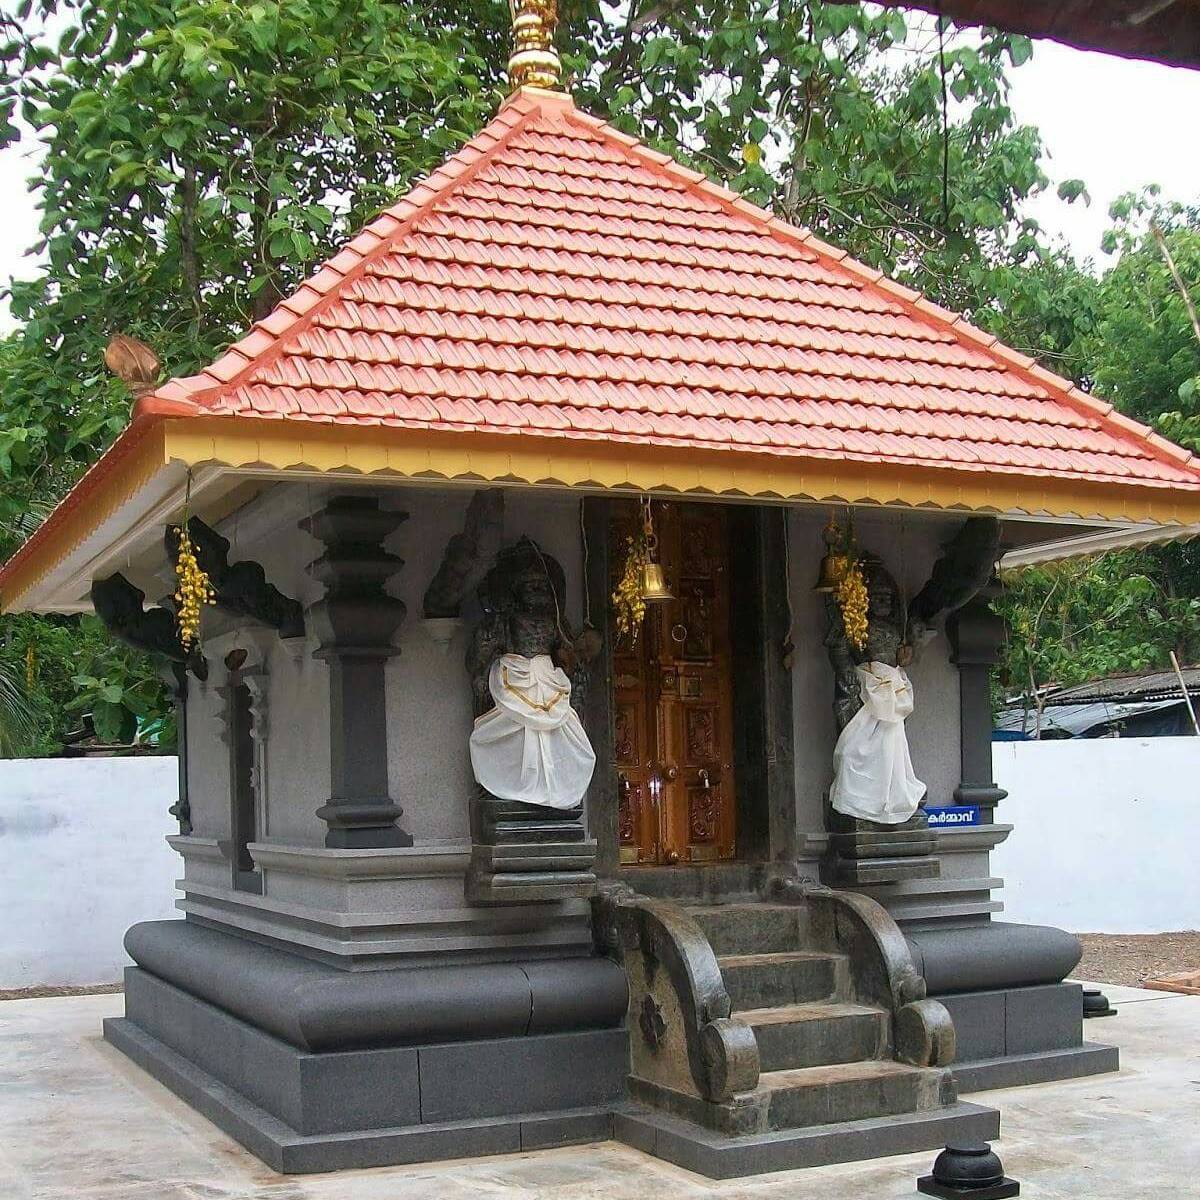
x,y
79,1121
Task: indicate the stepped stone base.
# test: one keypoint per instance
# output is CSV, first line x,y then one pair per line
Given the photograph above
x,y
1011,1037
284,1149
528,855
1015,1022
1019,1070
313,1067
532,873
719,1157
320,1069
862,853
368,910
852,872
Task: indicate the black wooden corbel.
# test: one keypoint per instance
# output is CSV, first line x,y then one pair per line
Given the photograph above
x,y
241,587
121,607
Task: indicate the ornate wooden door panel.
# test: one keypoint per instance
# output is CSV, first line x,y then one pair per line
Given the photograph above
x,y
674,698
634,738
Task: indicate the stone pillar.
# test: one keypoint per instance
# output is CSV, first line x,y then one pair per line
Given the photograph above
x,y
175,677
602,797
976,637
354,623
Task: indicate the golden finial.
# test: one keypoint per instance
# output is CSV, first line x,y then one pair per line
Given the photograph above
x,y
534,61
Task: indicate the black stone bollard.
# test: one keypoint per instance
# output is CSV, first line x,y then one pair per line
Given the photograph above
x,y
1095,1004
971,1170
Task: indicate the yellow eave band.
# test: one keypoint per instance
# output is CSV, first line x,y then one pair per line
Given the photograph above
x,y
433,455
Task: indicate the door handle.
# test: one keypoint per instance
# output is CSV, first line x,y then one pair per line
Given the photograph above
x,y
671,774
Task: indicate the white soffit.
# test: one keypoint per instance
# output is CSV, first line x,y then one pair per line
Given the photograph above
x,y
1097,543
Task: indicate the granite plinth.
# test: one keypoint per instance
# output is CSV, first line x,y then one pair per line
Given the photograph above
x,y
285,1149
982,954
315,1068
371,909
317,1007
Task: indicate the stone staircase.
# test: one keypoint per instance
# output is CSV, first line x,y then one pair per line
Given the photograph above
x,y
831,1083
824,1057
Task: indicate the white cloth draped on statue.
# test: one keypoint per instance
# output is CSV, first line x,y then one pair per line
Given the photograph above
x,y
873,775
531,747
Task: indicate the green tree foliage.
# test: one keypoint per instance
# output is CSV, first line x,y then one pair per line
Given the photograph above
x,y
1146,342
832,114
1133,343
201,155
67,676
1074,621
199,158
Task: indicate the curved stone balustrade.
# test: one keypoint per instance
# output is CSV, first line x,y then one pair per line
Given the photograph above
x,y
682,1037
881,965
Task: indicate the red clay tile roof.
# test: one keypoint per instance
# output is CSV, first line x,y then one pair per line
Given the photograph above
x,y
555,278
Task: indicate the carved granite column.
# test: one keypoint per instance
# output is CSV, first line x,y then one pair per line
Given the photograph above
x,y
976,638
354,623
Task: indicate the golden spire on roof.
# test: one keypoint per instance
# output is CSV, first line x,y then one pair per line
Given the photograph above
x,y
534,61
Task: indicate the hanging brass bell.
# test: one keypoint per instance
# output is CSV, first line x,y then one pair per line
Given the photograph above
x,y
836,561
654,586
833,570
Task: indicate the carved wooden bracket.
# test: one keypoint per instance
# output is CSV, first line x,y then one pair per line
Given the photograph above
x,y
120,605
240,587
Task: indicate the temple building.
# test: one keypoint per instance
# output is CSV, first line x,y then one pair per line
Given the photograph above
x,y
589,734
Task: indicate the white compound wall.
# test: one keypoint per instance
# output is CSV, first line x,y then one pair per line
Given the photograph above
x,y
1106,833
1104,840
83,856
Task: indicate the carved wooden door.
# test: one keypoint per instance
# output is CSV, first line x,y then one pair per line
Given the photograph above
x,y
673,697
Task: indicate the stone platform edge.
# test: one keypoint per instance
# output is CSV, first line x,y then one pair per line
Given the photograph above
x,y
288,1152
1043,1066
656,1134
716,1157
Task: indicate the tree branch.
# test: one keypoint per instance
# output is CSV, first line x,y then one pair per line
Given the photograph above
x,y
1157,234
187,240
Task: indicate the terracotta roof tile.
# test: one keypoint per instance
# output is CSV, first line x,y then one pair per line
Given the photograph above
x,y
556,278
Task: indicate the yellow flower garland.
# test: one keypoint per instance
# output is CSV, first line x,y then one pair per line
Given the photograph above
x,y
628,605
852,599
193,592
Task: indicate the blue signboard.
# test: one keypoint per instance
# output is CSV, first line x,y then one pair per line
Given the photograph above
x,y
953,816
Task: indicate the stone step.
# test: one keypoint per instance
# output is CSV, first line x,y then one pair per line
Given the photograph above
x,y
749,928
857,1091
710,883
721,1157
795,977
816,1035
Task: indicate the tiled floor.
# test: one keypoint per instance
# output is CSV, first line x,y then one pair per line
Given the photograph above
x,y
79,1122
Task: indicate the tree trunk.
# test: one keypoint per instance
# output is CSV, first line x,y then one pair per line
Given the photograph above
x,y
187,241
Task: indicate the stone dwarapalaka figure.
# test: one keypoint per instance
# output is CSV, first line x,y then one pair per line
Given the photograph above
x,y
873,696
528,745
873,777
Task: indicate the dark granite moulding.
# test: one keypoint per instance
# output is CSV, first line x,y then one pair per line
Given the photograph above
x,y
322,1069
318,1007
